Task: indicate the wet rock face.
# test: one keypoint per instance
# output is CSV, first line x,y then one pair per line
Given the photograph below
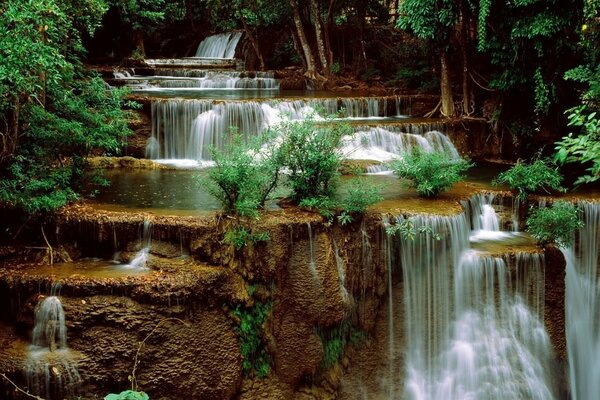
x,y
316,278
186,354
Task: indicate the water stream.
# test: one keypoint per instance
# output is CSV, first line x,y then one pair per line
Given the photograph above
x,y
470,332
583,307
50,370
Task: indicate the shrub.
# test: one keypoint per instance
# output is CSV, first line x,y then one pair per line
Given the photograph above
x,y
430,173
531,178
358,197
127,395
555,224
312,154
335,340
256,358
243,176
239,237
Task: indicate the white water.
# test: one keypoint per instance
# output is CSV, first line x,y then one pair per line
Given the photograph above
x,y
187,129
583,307
469,333
50,370
140,259
221,45
200,79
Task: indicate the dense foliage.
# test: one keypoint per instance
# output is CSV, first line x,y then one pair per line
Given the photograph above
x,y
244,176
127,395
430,173
536,177
54,112
312,155
256,359
583,145
555,224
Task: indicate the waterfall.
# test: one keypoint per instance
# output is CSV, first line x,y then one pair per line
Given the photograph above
x,y
221,45
201,79
141,257
583,306
469,333
187,129
50,370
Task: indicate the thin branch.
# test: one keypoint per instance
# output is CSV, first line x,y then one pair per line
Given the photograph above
x,y
18,389
136,359
430,113
49,247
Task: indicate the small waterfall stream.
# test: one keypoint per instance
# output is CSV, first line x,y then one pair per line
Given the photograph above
x,y
583,307
141,257
50,370
221,45
469,333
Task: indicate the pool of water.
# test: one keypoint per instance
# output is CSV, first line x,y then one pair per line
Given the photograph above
x,y
182,192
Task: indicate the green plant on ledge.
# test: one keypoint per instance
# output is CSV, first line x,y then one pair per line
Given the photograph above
x,y
430,173
538,176
239,237
335,340
555,224
127,395
251,320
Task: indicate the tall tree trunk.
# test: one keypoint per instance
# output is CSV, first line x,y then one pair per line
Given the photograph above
x,y
310,60
298,47
314,10
360,54
139,42
327,30
11,136
253,42
446,87
467,99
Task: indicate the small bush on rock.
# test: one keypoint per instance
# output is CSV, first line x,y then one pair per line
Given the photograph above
x,y
430,173
538,176
555,224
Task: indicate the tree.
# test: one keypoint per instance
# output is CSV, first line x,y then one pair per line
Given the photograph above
x,y
583,146
140,16
434,21
54,113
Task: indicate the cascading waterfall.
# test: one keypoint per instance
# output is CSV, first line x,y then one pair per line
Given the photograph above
x,y
583,306
200,79
469,334
50,370
187,129
222,45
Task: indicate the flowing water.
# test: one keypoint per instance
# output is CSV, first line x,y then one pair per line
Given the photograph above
x,y
222,45
470,332
50,370
583,307
140,259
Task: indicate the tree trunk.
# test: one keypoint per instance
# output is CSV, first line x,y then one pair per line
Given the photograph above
x,y
253,42
446,87
314,10
308,56
139,43
10,137
298,47
467,99
360,54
